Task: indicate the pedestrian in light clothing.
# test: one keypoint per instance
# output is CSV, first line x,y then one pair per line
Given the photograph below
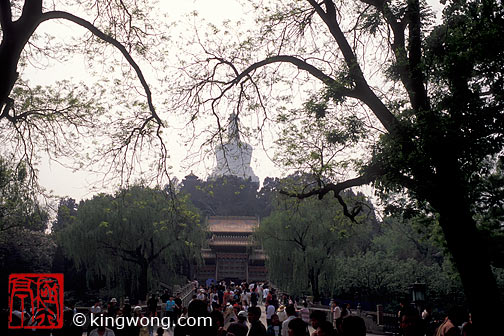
x,y
270,310
305,313
336,311
291,315
240,327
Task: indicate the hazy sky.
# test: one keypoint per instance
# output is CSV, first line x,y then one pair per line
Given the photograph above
x,y
63,181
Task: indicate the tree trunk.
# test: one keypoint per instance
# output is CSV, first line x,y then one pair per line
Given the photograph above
x,y
143,282
314,282
469,254
15,36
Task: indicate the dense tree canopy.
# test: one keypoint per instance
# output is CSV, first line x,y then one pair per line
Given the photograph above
x,y
302,237
130,238
222,196
25,247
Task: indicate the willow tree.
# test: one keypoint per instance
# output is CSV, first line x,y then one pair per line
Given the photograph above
x,y
139,232
430,94
302,238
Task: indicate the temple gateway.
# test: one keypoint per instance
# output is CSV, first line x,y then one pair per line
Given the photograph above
x,y
232,253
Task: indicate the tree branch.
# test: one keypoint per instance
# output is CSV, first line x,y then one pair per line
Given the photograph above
x,y
134,254
369,176
5,16
300,64
419,99
408,66
365,94
95,31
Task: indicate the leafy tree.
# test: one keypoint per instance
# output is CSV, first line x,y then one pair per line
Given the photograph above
x,y
135,234
222,196
25,247
435,122
66,215
300,238
75,279
19,208
267,195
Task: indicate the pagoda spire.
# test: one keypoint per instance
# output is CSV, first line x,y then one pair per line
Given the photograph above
x,y
233,129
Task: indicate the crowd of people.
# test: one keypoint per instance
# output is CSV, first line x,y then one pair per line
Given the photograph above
x,y
411,323
236,310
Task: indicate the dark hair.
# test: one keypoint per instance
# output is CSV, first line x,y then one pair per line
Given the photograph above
x,y
197,308
410,311
326,327
318,315
298,326
217,316
457,315
290,310
256,311
353,326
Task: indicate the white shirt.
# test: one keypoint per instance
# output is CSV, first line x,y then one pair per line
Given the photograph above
x,y
285,325
265,292
270,311
336,313
282,315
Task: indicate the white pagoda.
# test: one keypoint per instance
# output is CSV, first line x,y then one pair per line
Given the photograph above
x,y
234,156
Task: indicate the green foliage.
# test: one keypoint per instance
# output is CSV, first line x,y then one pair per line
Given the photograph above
x,y
318,143
25,247
302,237
139,235
18,205
314,249
223,196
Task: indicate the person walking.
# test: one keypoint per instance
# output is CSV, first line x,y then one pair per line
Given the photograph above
x,y
291,315
240,327
297,327
256,326
275,329
270,310
336,312
305,313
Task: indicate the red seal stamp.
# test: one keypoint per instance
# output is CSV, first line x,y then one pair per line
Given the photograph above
x,y
35,301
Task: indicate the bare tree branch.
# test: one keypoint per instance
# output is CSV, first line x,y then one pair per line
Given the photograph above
x,y
95,31
300,64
